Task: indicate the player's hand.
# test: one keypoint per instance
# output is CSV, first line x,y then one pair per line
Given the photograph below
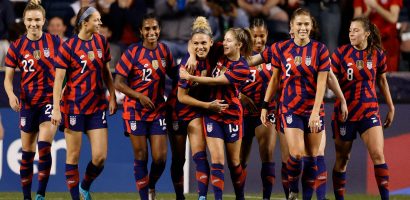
x,y
112,106
344,111
14,103
389,119
314,123
264,117
371,3
55,117
183,74
217,106
191,65
248,103
146,102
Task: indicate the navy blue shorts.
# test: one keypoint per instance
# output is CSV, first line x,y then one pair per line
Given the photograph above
x,y
347,130
145,128
30,119
177,127
250,123
228,132
300,122
84,123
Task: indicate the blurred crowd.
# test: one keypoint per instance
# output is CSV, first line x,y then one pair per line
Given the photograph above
x,y
121,19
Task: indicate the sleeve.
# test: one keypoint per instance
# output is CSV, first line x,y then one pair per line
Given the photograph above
x,y
11,57
397,2
239,74
125,64
382,65
107,53
270,55
182,83
324,61
335,62
172,68
358,4
63,58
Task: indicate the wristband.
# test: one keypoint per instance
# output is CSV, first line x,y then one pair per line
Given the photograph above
x,y
265,105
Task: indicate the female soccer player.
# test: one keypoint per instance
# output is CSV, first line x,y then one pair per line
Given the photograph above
x,y
34,54
189,108
304,64
84,58
225,128
140,75
357,66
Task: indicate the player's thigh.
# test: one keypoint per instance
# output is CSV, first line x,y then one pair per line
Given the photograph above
x,y
139,146
47,132
233,151
216,147
196,135
374,141
266,137
99,143
322,145
312,143
159,147
284,149
73,145
28,141
295,140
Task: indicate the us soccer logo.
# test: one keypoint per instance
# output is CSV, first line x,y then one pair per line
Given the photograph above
x,y
209,127
99,53
175,125
133,125
155,64
343,130
73,120
37,54
289,119
163,62
298,60
359,64
46,52
369,65
90,55
308,60
23,121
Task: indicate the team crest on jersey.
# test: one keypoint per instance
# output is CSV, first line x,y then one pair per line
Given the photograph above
x,y
163,62
269,66
37,54
99,53
133,125
259,67
73,120
289,119
298,60
209,127
23,121
359,64
343,130
47,52
155,64
175,125
90,55
369,64
308,60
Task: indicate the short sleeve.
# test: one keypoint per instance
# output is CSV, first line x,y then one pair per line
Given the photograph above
x,y
11,57
63,56
124,64
239,74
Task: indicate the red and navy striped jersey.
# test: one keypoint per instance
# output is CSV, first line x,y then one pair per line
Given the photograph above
x,y
256,86
237,72
84,61
299,66
357,71
145,71
36,60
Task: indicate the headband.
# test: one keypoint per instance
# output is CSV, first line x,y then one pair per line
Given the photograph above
x,y
86,13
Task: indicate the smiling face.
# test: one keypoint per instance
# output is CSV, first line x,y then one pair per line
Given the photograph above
x,y
231,45
301,26
93,24
358,35
260,35
201,43
150,31
34,21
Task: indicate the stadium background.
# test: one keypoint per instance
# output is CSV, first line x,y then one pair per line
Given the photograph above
x,y
118,173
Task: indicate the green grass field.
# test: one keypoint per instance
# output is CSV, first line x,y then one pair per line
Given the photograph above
x,y
168,196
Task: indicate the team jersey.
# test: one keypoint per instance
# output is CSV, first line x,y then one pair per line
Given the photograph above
x,y
145,72
237,72
36,60
357,71
84,61
299,66
256,86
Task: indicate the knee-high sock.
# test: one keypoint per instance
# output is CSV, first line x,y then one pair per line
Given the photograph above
x,y
72,180
26,172
217,180
177,176
91,173
285,181
238,177
321,178
44,166
381,172
294,167
309,177
339,182
157,168
268,178
202,172
141,178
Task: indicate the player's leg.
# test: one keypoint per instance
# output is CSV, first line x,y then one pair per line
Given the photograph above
x,y
312,143
177,139
233,141
321,177
73,142
284,152
140,149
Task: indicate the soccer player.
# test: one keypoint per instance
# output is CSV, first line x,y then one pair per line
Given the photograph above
x,y
189,108
140,75
357,66
225,128
304,64
84,59
34,54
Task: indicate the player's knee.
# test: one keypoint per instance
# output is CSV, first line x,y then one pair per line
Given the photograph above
x,y
297,154
99,160
377,156
140,154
